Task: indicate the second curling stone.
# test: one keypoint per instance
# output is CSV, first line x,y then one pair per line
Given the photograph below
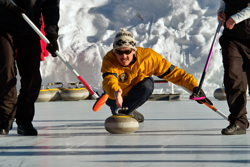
x,y
44,95
85,91
220,94
72,94
55,92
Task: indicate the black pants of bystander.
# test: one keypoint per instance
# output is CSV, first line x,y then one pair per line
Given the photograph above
x,y
27,61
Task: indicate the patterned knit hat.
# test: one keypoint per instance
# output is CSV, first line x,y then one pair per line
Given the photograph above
x,y
124,39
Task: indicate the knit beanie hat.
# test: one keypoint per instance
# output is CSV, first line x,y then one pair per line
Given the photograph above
x,y
124,39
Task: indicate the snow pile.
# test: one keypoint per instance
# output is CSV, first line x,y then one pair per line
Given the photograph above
x,y
181,31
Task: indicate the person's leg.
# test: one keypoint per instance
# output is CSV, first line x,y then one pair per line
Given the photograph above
x,y
28,63
235,82
8,93
246,65
246,58
137,96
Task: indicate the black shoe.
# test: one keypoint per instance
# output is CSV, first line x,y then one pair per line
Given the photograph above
x,y
5,127
233,130
138,116
26,130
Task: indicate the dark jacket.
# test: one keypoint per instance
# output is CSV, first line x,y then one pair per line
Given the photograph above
x,y
11,23
241,31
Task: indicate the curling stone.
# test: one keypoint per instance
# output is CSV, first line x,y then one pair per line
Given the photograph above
x,y
220,94
44,96
72,94
121,124
85,90
85,93
55,92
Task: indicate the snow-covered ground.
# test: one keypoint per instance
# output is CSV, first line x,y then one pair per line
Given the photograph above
x,y
181,31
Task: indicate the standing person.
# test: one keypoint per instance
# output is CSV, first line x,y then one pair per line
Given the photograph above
x,y
127,75
235,44
17,36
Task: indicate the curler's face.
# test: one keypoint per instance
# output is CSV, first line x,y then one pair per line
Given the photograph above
x,y
124,55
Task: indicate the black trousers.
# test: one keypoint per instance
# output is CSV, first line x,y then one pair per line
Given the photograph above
x,y
236,61
137,96
28,63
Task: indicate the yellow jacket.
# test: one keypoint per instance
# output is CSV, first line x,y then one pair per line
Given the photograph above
x,y
148,63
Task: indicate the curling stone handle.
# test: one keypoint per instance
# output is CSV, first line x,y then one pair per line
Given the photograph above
x,y
73,84
120,108
58,83
80,83
54,83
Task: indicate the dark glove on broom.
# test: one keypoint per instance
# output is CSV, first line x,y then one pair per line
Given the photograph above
x,y
17,10
197,94
53,46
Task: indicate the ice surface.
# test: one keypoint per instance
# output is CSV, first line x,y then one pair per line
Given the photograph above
x,y
178,133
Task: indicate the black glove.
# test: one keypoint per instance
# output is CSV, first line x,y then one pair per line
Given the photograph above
x,y
53,46
15,9
197,93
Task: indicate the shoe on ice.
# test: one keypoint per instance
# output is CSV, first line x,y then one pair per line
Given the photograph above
x,y
26,130
233,130
5,126
138,116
